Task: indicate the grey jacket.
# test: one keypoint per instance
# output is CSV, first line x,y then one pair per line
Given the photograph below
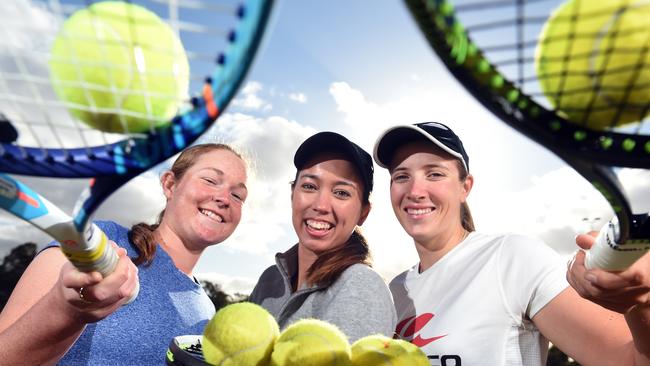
x,y
358,302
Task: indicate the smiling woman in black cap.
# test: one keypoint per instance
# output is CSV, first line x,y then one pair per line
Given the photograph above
x,y
476,299
327,275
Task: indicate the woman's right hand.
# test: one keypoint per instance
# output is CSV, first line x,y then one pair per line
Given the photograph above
x,y
89,297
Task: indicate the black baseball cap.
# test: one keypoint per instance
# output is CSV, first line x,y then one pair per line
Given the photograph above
x,y
333,142
396,136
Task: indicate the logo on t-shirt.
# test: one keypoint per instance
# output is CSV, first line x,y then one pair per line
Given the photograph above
x,y
410,328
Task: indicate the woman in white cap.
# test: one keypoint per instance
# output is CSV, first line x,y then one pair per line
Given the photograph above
x,y
476,299
327,274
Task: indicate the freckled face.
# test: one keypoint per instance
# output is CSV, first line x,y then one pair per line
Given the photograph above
x,y
204,206
326,203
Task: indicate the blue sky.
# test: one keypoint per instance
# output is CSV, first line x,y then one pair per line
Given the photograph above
x,y
357,67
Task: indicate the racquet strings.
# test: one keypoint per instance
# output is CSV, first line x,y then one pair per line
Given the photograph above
x,y
508,34
27,97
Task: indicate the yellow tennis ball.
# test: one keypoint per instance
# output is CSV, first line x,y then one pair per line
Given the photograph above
x,y
119,67
593,69
311,342
240,334
376,350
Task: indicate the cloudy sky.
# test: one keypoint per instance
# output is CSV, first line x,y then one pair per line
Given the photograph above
x,y
357,67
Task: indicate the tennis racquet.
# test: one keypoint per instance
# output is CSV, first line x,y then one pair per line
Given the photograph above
x,y
42,136
490,48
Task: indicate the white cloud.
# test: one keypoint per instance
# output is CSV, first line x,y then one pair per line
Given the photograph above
x,y
248,98
140,200
298,97
365,119
414,77
555,207
558,205
635,182
352,103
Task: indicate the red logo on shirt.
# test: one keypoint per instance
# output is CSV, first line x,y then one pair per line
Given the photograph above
x,y
408,327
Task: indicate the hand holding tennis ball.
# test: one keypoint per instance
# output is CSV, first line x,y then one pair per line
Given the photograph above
x,y
592,69
311,342
240,334
119,67
377,350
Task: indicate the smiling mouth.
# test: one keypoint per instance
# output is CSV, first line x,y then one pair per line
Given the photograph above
x,y
318,225
211,214
419,211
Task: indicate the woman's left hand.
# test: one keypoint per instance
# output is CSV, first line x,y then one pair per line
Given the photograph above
x,y
616,291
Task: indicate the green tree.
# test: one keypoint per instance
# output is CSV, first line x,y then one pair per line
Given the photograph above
x,y
13,266
219,297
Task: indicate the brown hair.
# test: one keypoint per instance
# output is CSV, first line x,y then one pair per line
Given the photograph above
x,y
465,214
142,235
330,264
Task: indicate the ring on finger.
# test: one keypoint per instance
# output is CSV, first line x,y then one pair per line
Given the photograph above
x,y
81,295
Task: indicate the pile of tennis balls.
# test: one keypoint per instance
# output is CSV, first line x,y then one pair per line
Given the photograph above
x,y
245,334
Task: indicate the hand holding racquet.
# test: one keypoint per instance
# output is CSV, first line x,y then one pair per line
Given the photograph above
x,y
112,100
573,76
616,291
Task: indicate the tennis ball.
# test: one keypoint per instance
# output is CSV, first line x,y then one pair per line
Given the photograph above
x,y
119,67
593,68
378,350
240,334
311,342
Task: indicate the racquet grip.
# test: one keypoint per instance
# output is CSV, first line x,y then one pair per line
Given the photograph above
x,y
88,250
609,255
94,253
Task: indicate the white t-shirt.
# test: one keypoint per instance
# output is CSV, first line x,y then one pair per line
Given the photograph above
x,y
473,306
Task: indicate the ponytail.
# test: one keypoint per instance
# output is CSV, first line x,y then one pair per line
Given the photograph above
x,y
465,214
143,239
466,218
